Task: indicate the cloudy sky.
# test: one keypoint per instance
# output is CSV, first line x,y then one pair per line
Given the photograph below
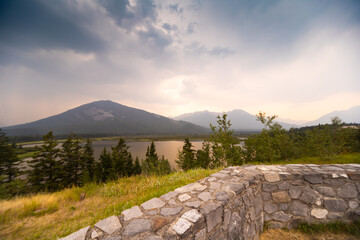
x,y
296,59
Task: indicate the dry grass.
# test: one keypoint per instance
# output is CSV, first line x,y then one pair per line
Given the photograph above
x,y
280,234
49,216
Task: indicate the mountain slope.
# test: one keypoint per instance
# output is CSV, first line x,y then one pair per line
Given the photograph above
x,y
107,118
351,115
240,120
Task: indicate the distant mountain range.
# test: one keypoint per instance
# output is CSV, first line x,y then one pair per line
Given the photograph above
x,y
351,115
105,118
243,121
240,120
108,118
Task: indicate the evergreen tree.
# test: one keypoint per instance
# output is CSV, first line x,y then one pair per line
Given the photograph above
x,y
186,157
122,159
104,168
71,159
46,169
88,161
137,167
152,164
203,158
8,158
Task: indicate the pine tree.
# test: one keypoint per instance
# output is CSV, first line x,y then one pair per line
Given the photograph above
x,y
186,157
137,167
104,168
88,162
71,159
203,158
122,159
152,164
45,166
8,158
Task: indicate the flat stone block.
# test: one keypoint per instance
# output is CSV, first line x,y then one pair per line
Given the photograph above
x,y
137,226
194,204
153,203
219,175
313,178
272,177
215,185
192,215
281,197
131,213
184,197
79,235
205,196
169,195
181,226
281,216
109,225
170,211
347,191
213,213
335,205
319,213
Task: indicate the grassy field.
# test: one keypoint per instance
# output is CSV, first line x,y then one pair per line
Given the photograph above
x,y
53,215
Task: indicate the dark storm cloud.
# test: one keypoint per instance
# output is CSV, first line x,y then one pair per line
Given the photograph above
x,y
155,39
175,8
33,24
127,16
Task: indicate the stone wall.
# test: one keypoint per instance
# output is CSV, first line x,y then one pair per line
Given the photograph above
x,y
236,202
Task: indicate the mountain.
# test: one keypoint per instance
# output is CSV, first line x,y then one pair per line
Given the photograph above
x,y
105,118
351,115
240,120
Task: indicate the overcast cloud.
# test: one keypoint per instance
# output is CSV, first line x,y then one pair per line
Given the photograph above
x,y
297,59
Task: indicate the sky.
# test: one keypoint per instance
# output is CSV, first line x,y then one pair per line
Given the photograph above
x,y
296,59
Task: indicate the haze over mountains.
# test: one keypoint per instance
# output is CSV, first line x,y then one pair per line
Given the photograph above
x,y
108,118
105,118
243,121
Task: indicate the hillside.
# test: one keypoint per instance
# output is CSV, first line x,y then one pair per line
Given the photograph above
x,y
351,115
240,120
105,118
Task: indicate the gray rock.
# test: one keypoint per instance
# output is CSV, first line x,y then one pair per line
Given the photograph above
x,y
266,196
295,192
326,191
281,197
281,216
170,211
283,206
215,185
192,215
79,235
184,197
182,226
268,187
213,213
153,203
194,204
358,186
310,196
353,204
169,195
347,191
109,225
284,186
131,213
335,205
113,238
222,197
205,196
275,225
227,216
201,235
313,178
137,226
298,208
271,177
235,225
236,188
270,208
154,238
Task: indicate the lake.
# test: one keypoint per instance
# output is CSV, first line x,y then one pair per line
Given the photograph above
x,y
138,148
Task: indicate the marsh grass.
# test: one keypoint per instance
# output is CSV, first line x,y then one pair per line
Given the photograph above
x,y
53,215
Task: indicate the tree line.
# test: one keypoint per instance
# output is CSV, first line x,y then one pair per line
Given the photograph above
x,y
54,167
273,143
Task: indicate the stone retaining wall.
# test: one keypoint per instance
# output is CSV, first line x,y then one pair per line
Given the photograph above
x,y
236,202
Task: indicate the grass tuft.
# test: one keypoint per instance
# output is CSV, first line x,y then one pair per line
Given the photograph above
x,y
334,227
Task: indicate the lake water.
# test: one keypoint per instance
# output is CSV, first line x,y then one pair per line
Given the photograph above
x,y
168,149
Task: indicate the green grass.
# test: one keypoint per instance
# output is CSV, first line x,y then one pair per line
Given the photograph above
x,y
334,227
337,159
26,155
53,215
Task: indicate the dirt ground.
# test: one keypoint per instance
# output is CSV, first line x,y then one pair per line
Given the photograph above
x,y
279,234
